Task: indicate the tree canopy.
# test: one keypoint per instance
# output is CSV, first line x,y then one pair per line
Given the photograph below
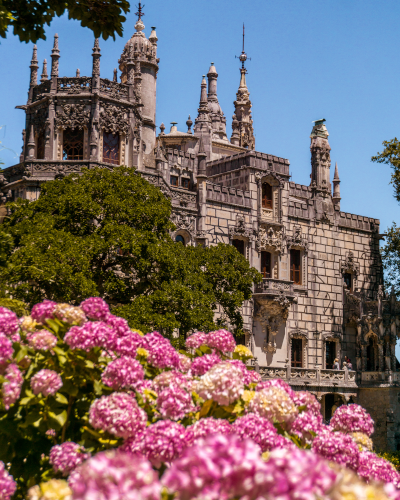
x,y
27,18
107,233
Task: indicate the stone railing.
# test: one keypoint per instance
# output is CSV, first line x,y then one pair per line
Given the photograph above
x,y
113,89
380,377
310,376
273,286
74,85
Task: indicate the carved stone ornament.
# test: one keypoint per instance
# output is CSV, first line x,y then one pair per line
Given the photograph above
x,y
349,264
113,118
297,239
72,116
270,237
240,229
260,176
184,221
39,119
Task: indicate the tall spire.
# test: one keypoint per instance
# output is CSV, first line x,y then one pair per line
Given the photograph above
x,y
336,187
44,76
34,67
55,56
242,122
218,120
96,58
320,157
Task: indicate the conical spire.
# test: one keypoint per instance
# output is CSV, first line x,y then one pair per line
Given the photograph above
x,y
55,56
44,76
34,67
218,120
115,79
96,58
203,93
320,157
336,174
336,187
201,161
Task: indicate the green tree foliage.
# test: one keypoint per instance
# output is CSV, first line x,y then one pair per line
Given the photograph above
x,y
391,251
106,233
28,17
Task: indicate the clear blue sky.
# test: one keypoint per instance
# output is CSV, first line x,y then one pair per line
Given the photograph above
x,y
336,59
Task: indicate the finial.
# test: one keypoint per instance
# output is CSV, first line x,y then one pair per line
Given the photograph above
x,y
174,127
78,73
96,58
153,36
189,124
115,79
139,13
243,56
34,67
139,26
34,54
55,56
336,175
44,76
162,128
96,46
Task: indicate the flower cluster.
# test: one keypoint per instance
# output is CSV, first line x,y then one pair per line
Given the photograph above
x,y
221,340
274,404
66,457
307,399
119,414
337,447
259,429
69,314
9,324
307,425
161,353
124,372
243,352
362,440
95,308
207,426
41,340
42,311
277,382
12,385
352,418
223,383
174,403
55,489
202,364
47,382
171,379
7,484
6,351
373,467
184,363
90,335
196,340
249,376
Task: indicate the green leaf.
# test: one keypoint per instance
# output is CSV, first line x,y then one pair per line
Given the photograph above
x,y
61,417
206,408
60,398
21,354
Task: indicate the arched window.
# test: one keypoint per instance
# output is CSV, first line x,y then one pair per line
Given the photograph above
x,y
111,148
297,353
266,195
330,354
266,264
180,239
72,144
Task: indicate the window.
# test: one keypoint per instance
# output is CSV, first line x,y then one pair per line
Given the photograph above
x,y
72,144
297,353
266,264
267,196
111,148
185,182
371,361
180,239
295,266
330,354
173,180
239,245
348,281
40,146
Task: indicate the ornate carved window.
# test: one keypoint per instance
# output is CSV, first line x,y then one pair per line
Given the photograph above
x,y
266,264
348,281
185,181
239,245
174,180
111,148
180,239
330,354
40,146
295,266
297,353
267,195
372,354
72,144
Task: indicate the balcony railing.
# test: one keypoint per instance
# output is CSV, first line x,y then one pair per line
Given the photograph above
x,y
274,286
310,376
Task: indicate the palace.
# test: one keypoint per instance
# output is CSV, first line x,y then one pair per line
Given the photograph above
x,y
322,294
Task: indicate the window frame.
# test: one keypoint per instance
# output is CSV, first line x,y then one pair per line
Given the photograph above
x,y
72,133
241,243
267,199
296,363
265,273
172,176
108,159
296,269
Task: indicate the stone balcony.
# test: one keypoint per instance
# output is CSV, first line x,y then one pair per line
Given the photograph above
x,y
270,286
386,377
315,377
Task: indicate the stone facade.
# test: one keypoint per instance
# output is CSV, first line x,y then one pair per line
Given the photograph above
x,y
321,296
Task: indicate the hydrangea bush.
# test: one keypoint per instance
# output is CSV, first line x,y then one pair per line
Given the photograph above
x,y
91,409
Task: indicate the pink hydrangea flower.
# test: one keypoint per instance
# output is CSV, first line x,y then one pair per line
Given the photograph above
x,y
282,442
305,398
42,311
7,483
196,340
173,379
306,425
174,403
69,314
221,467
126,345
67,456
184,363
274,404
221,340
202,364
90,335
277,382
95,308
207,426
12,386
249,376
337,447
47,382
223,383
6,350
161,353
373,467
124,372
352,418
115,475
42,340
9,324
259,429
119,414
252,377
119,325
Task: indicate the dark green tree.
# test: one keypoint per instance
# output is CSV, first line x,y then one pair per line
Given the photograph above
x,y
107,233
27,18
391,250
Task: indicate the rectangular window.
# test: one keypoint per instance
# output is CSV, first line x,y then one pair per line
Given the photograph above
x,y
185,182
266,264
347,277
267,196
297,353
111,148
330,354
239,245
295,266
72,144
40,146
174,180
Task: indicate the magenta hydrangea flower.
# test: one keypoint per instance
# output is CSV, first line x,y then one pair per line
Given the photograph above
x,y
282,442
305,398
9,324
249,376
277,382
352,418
90,335
184,363
257,428
47,382
12,386
306,425
67,456
173,379
207,426
119,414
373,467
196,340
222,467
161,353
6,350
223,383
274,404
42,340
252,377
95,308
115,475
337,447
42,311
7,483
126,345
174,403
123,372
221,340
119,325
202,364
